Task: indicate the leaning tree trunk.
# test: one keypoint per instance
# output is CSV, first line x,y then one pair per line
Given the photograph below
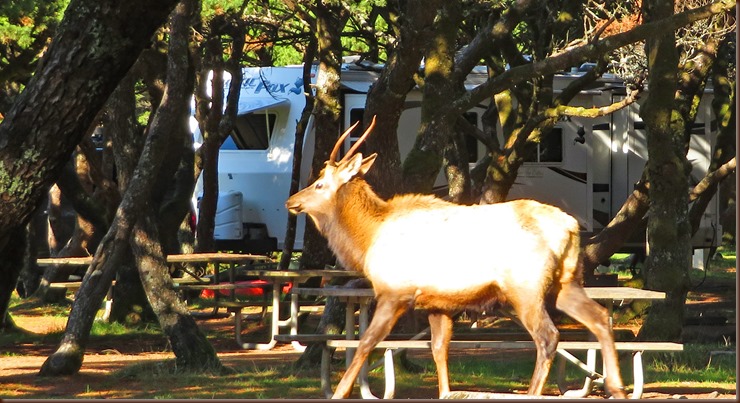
x,y
69,355
129,303
95,45
192,349
669,231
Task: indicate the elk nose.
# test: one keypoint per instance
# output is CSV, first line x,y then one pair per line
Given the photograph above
x,y
293,207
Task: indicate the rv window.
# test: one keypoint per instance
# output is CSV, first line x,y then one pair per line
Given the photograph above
x,y
251,132
356,115
550,148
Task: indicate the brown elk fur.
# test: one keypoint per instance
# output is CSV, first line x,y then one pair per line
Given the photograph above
x,y
422,251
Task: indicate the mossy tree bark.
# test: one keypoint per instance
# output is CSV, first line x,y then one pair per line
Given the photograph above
x,y
387,96
434,138
134,216
330,18
192,350
669,231
94,47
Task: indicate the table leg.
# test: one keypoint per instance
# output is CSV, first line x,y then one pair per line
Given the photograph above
x,y
349,329
294,322
638,375
589,367
215,292
274,325
326,372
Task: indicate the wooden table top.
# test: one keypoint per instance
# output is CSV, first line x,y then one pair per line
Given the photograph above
x,y
620,293
335,292
301,273
217,257
600,293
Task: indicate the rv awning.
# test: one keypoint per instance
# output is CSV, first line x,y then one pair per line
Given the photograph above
x,y
249,105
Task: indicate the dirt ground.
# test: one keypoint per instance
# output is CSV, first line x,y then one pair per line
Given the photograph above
x,y
19,365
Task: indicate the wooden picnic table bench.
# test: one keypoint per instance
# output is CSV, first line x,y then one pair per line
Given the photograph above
x,y
361,297
564,348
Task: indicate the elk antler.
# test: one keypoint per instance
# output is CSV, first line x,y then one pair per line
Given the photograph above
x,y
359,141
335,151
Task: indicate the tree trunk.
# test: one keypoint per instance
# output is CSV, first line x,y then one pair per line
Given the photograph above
x,y
669,231
83,65
10,267
68,357
95,45
387,96
600,247
316,252
219,123
424,161
129,304
329,20
209,151
192,349
300,134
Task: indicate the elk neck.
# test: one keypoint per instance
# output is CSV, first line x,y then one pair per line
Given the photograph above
x,y
358,213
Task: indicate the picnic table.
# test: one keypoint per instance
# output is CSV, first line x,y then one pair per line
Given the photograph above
x,y
230,261
276,278
361,298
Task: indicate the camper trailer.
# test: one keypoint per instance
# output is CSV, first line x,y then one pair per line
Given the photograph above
x,y
588,167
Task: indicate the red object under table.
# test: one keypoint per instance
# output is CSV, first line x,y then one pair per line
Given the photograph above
x,y
247,291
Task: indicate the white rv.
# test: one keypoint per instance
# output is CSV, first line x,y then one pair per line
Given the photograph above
x,y
587,166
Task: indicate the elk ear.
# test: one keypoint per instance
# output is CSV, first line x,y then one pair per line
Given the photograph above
x,y
367,163
347,170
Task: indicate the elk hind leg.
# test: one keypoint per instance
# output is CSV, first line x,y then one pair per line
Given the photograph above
x,y
572,300
440,324
387,312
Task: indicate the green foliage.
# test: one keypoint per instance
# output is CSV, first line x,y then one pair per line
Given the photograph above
x,y
26,27
286,55
22,21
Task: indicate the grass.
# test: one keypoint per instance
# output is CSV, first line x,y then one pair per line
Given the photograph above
x,y
721,266
250,381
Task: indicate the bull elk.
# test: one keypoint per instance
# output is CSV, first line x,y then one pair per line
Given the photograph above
x,y
419,250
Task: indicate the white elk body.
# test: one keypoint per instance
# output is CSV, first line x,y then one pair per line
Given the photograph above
x,y
456,250
421,251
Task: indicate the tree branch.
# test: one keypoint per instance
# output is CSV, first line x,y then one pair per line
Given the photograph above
x,y
558,62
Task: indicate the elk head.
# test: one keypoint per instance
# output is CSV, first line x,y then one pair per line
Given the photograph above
x,y
317,199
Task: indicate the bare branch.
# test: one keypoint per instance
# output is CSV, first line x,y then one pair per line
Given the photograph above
x,y
712,178
580,111
563,60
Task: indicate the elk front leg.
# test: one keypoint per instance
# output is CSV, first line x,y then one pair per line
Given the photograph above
x,y
534,318
387,312
441,327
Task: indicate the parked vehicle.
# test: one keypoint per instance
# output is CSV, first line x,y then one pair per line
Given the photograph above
x,y
587,167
